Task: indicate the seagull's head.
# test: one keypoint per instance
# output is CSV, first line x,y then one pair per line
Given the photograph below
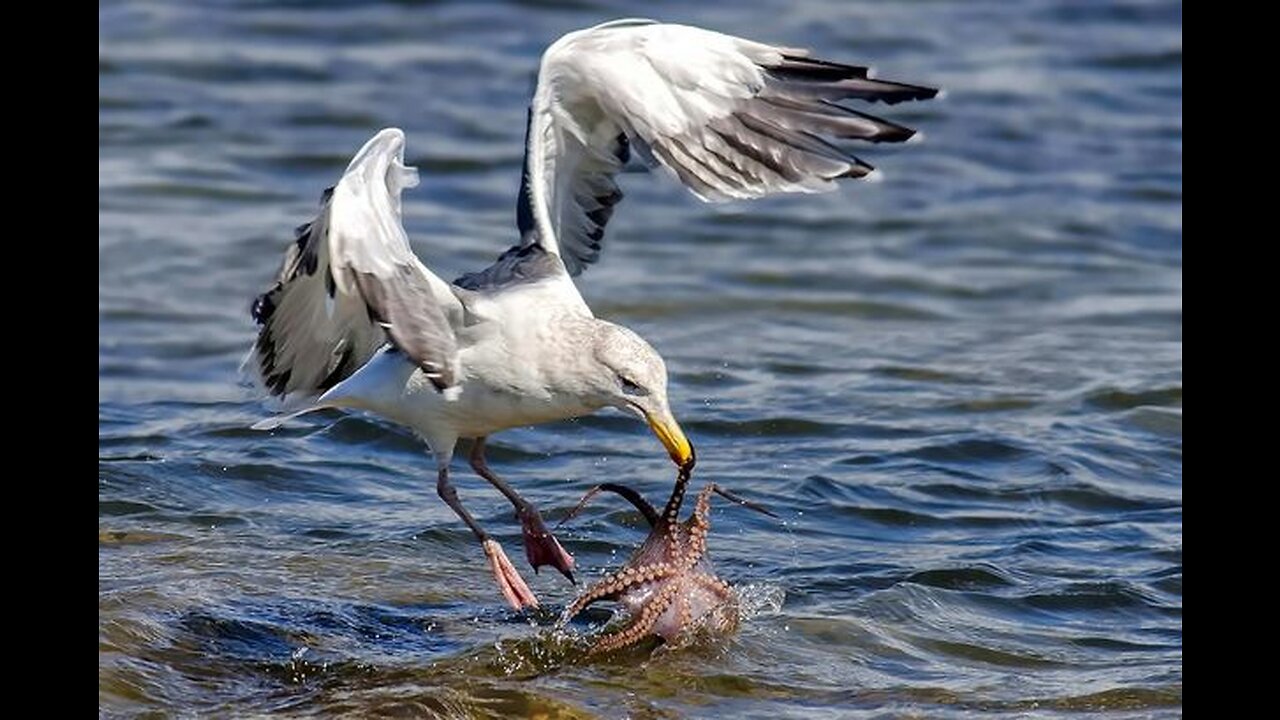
x,y
633,378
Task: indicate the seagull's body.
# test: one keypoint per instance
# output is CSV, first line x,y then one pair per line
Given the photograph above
x,y
355,320
517,367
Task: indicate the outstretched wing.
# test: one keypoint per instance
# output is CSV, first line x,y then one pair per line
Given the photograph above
x,y
730,118
350,283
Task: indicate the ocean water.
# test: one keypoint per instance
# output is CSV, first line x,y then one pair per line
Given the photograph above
x,y
960,388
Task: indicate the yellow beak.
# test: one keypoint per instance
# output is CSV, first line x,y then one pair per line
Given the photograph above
x,y
673,439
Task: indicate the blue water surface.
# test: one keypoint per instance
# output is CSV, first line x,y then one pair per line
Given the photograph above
x,y
960,388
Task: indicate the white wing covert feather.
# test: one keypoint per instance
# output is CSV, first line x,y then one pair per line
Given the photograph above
x,y
730,118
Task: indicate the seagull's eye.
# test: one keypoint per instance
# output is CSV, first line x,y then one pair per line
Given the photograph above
x,y
631,388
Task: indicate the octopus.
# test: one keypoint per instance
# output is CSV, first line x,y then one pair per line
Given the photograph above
x,y
668,587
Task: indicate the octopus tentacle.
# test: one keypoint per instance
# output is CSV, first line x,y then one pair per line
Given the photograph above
x,y
669,523
686,616
650,515
715,585
698,527
641,625
619,582
671,511
736,498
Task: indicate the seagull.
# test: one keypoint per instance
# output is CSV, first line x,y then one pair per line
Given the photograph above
x,y
356,321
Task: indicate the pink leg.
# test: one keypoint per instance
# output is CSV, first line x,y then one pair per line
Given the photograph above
x,y
513,587
540,546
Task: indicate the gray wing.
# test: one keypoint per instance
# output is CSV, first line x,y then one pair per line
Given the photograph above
x,y
729,118
350,283
519,265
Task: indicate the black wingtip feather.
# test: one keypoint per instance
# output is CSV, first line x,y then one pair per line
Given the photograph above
x,y
859,169
263,307
886,131
824,117
888,92
821,78
805,68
